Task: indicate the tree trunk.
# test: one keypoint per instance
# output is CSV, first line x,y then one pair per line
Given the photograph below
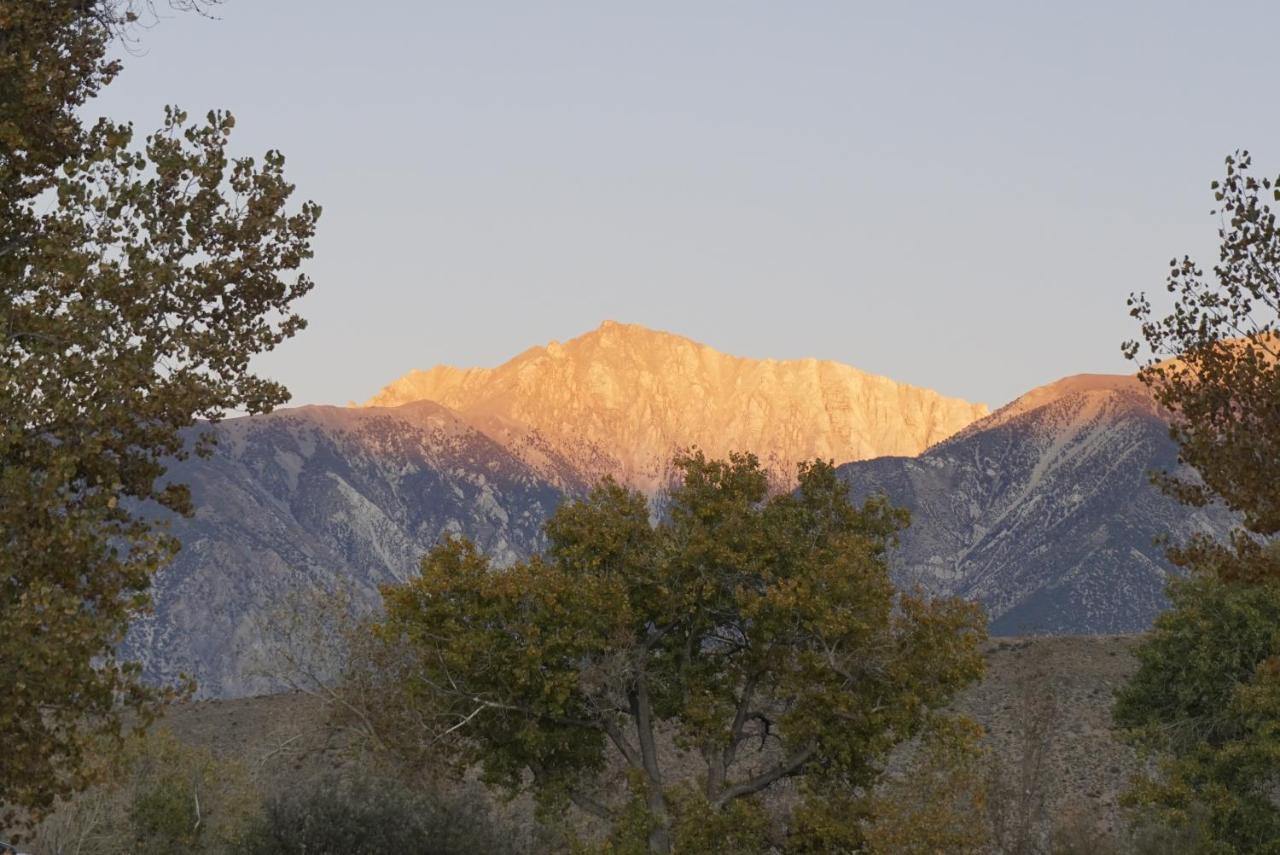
x,y
660,837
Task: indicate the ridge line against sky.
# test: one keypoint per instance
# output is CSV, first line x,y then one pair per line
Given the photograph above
x,y
955,196
558,347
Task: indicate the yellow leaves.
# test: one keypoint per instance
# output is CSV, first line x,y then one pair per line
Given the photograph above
x,y
939,804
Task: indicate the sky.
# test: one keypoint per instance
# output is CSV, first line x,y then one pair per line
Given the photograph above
x,y
955,195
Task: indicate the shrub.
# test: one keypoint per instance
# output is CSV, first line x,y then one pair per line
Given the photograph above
x,y
373,816
154,796
941,804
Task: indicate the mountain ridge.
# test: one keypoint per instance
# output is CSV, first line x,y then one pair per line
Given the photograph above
x,y
621,399
1044,511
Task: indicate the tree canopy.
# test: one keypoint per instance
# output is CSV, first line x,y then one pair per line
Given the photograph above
x,y
1214,359
1206,700
1206,696
136,284
760,636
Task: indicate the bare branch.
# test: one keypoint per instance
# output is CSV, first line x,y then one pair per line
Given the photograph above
x,y
787,768
591,806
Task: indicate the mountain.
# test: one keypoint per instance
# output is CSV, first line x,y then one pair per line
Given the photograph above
x,y
1044,511
318,498
1041,510
321,498
621,399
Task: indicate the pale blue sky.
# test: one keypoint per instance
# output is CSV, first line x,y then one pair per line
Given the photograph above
x,y
956,195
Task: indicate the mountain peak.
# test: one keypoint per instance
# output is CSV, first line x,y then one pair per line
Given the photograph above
x,y
622,398
1074,387
618,331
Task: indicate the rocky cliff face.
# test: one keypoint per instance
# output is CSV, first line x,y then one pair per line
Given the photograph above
x,y
1044,510
315,499
621,399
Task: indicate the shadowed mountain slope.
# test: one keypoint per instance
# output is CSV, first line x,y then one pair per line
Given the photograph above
x,y
316,498
1044,510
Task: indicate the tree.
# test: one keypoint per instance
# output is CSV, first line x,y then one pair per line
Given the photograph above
x,y
1206,701
135,286
1206,696
1214,361
761,636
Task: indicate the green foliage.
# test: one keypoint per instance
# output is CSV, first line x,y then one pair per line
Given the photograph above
x,y
762,635
1078,832
828,821
136,283
1206,698
373,816
184,799
739,828
158,796
936,803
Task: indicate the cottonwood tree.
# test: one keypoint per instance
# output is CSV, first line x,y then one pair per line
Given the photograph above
x,y
761,636
136,283
1206,696
1214,360
1205,701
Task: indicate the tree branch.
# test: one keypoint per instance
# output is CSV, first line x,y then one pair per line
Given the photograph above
x,y
460,724
591,806
785,769
718,767
262,761
642,711
619,739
